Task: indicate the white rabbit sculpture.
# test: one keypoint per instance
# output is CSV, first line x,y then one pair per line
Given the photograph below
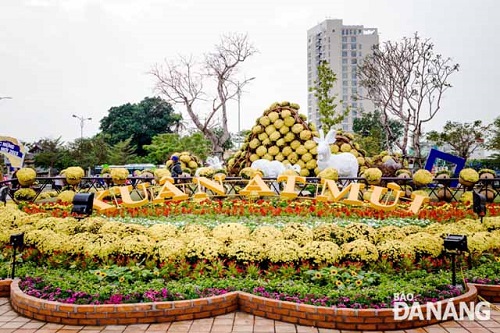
x,y
271,169
213,164
346,164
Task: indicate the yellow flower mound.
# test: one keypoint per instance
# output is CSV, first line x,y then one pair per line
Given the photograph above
x,y
492,222
373,175
480,242
230,232
123,229
329,173
171,249
47,241
74,175
160,173
204,248
26,176
79,242
25,194
66,196
321,252
425,244
422,177
104,245
207,172
283,251
57,224
91,224
468,177
411,229
136,245
265,235
162,231
466,197
245,250
395,250
360,250
355,231
119,174
298,233
389,233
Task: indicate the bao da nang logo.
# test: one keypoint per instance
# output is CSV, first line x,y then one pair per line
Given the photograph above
x,y
406,309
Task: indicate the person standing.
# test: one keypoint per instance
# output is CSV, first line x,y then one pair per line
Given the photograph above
x,y
176,168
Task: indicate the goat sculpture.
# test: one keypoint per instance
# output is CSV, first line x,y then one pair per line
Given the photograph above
x,y
346,164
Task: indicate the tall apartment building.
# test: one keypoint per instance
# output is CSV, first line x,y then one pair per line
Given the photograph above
x,y
342,46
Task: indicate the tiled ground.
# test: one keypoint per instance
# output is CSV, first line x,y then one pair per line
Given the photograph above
x,y
238,322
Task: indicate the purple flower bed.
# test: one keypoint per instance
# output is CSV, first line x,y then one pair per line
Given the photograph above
x,y
360,301
478,280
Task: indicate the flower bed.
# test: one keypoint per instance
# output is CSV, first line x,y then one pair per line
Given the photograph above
x,y
157,312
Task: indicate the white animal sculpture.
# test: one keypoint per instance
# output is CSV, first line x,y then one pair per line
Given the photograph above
x,y
271,169
213,163
345,163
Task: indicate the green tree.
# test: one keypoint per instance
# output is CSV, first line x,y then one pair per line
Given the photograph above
x,y
86,152
372,135
325,101
51,151
494,141
166,144
463,138
121,153
140,122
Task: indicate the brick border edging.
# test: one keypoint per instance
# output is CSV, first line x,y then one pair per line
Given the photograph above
x,y
5,287
157,312
489,292
120,314
338,318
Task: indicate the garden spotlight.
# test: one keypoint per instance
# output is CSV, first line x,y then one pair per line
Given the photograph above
x,y
479,204
17,242
455,244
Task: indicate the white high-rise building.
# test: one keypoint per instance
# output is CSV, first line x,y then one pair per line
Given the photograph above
x,y
342,46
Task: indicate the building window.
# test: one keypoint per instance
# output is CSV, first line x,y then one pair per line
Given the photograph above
x,y
344,61
344,39
344,75
344,69
344,53
359,53
354,90
344,46
354,76
344,98
344,83
353,54
353,39
353,46
354,61
344,90
355,114
360,46
343,32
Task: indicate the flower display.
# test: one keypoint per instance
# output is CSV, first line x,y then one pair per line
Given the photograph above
x,y
204,248
26,176
425,244
66,196
207,172
486,174
162,231
25,194
468,177
265,235
230,232
171,249
466,197
119,175
73,175
480,242
57,224
104,245
389,233
320,252
360,250
355,231
160,173
298,233
372,176
136,245
282,251
329,173
47,241
395,250
492,223
245,250
422,177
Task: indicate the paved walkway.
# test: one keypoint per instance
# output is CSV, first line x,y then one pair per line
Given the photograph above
x,y
237,322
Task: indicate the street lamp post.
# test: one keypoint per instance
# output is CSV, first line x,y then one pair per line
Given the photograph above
x,y
82,120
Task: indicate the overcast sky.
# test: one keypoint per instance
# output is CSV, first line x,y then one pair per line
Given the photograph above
x,y
65,57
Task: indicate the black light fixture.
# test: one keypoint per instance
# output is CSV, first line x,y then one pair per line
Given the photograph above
x,y
82,204
455,244
17,242
4,190
479,204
